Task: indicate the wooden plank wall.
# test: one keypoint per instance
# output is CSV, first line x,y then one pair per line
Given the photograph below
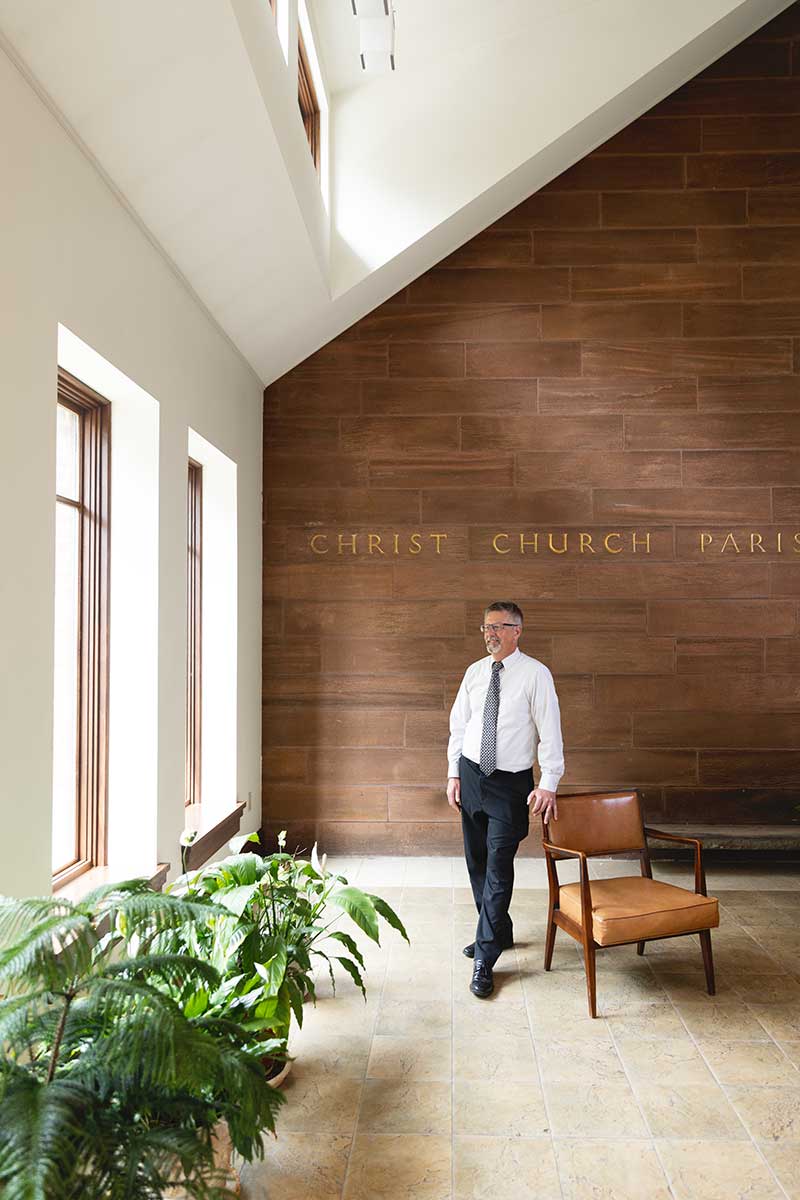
x,y
619,353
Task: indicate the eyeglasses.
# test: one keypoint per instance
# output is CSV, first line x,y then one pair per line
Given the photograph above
x,y
497,628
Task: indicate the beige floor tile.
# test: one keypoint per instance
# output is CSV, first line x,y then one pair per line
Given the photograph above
x,y
781,1021
792,1052
344,1054
717,1171
405,1017
616,989
572,1024
433,932
530,958
649,1021
735,960
749,1063
768,989
401,1106
415,1058
399,1168
691,986
427,897
784,1158
675,956
689,1110
610,1170
477,1017
733,1022
494,1056
601,1110
588,1061
298,1165
765,918
340,1016
670,1060
319,1102
516,1169
411,974
498,1107
771,1114
508,988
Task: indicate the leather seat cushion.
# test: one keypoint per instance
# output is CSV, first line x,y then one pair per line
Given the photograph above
x,y
632,908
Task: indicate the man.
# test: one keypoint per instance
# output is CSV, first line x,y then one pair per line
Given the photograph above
x,y
505,709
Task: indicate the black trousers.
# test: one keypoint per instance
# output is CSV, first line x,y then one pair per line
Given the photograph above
x,y
494,820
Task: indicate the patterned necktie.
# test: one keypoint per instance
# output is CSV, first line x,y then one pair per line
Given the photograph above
x,y
488,761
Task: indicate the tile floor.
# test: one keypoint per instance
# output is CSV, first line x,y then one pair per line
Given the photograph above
x,y
426,1093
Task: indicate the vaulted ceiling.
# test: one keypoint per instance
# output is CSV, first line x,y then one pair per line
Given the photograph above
x,y
189,111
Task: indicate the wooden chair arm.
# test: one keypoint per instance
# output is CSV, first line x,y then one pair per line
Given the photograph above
x,y
671,837
586,891
699,871
563,850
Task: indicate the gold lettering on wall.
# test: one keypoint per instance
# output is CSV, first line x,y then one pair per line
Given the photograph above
x,y
746,541
544,543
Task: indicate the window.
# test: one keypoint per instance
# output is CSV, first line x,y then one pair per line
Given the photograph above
x,y
307,98
80,694
194,625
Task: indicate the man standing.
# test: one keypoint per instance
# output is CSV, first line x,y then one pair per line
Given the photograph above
x,y
506,709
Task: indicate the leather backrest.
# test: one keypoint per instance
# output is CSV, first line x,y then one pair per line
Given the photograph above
x,y
598,822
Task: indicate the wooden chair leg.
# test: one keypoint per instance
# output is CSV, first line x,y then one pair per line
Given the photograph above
x,y
550,942
591,976
640,948
708,961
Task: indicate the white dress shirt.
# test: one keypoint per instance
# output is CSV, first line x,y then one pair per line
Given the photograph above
x,y
529,719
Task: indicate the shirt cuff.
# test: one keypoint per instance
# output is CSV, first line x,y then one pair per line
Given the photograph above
x,y
549,781
452,769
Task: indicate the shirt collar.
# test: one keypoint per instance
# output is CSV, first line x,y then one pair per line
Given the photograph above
x,y
510,661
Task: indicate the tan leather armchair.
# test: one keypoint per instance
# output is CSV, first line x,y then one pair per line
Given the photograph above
x,y
626,909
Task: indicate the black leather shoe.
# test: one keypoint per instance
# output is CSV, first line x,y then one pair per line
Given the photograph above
x,y
482,980
469,951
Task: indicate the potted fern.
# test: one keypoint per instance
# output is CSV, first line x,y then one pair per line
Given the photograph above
x,y
110,1087
283,913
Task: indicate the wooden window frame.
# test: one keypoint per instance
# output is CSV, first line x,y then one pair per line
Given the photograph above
x,y
91,768
307,99
194,631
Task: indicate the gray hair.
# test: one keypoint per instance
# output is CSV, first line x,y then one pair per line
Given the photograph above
x,y
506,606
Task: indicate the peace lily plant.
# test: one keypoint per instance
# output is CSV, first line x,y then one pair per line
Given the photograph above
x,y
272,918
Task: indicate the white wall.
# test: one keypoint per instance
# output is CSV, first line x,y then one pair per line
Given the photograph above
x,y
71,254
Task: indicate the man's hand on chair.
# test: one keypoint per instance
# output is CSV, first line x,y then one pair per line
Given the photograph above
x,y
544,802
454,793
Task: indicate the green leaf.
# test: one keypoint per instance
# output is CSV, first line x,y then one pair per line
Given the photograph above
x,y
359,908
236,899
273,969
389,916
296,999
353,972
196,1005
349,944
